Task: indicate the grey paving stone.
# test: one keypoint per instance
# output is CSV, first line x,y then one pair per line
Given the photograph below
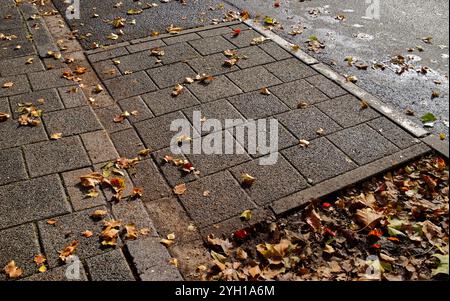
x,y
99,146
231,153
135,104
106,117
4,105
13,21
162,101
220,87
9,50
179,52
170,75
393,132
255,105
55,156
145,46
211,64
20,86
130,85
110,266
253,56
106,69
244,39
127,143
297,92
42,39
68,228
275,51
181,38
211,45
253,79
290,70
226,199
57,274
304,123
169,217
133,212
147,177
219,110
108,54
320,161
32,200
12,134
363,144
49,79
173,174
109,193
52,102
52,63
346,110
156,132
151,260
137,61
272,181
68,122
12,166
21,245
190,256
215,32
19,65
72,97
325,85
77,193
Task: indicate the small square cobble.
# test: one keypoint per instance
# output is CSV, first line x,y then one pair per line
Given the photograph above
x,y
156,132
167,76
275,51
225,199
49,79
179,52
305,123
32,200
99,146
181,38
363,144
230,153
220,87
111,266
21,245
46,100
244,39
12,134
127,143
77,193
148,177
272,181
173,174
347,111
321,160
393,132
136,62
72,97
107,54
20,85
325,85
253,79
68,122
211,65
137,108
20,65
290,70
298,92
162,101
55,156
253,56
255,105
69,228
211,45
130,85
106,69
108,114
12,166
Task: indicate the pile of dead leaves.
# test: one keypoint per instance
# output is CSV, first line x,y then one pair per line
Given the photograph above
x,y
390,228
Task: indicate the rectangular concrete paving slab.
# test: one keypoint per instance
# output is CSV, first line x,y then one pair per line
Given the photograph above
x,y
252,56
127,143
130,85
290,70
12,134
136,62
170,75
12,166
147,176
19,85
55,156
68,122
111,266
220,87
294,93
20,65
255,105
138,110
107,115
211,45
211,65
32,200
72,97
58,274
132,212
325,85
45,100
49,79
163,102
392,132
99,147
253,79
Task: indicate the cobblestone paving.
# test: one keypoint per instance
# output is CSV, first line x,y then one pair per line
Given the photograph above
x,y
40,177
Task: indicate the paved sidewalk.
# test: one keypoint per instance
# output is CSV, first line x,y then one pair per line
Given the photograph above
x,y
40,178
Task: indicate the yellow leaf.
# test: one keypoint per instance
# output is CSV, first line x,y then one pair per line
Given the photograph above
x,y
247,215
56,136
247,179
180,189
